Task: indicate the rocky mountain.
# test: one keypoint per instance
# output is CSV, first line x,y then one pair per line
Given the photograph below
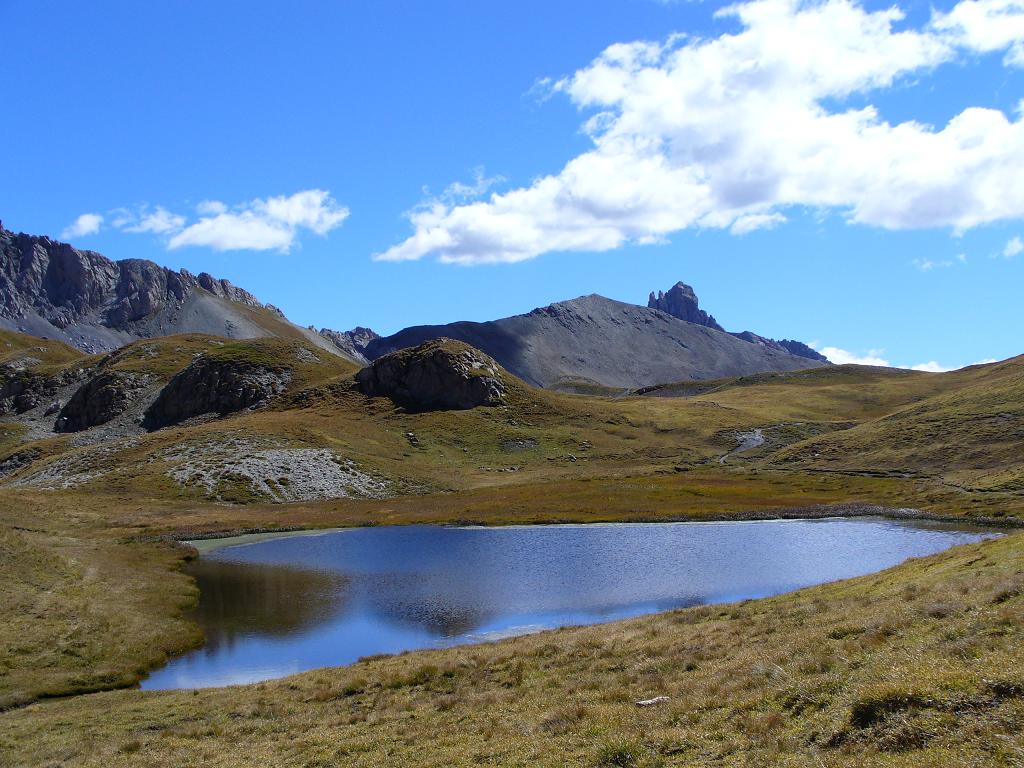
x,y
680,301
594,340
53,290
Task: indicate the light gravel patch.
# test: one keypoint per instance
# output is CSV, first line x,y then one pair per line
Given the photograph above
x,y
276,473
745,441
74,470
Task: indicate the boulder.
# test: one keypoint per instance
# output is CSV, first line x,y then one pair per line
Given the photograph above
x,y
441,374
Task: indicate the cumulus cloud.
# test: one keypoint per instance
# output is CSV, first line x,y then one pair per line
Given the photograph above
x,y
754,221
845,357
874,357
986,26
729,131
159,221
86,224
264,224
1013,247
211,208
930,367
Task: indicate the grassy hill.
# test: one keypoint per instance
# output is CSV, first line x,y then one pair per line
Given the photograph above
x,y
969,432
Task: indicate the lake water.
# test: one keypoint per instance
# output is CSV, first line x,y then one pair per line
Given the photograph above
x,y
275,607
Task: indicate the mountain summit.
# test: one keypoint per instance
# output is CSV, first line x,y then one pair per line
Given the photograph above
x,y
681,301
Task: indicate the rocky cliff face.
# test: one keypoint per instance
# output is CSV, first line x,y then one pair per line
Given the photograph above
x,y
440,374
680,301
353,343
24,389
53,290
101,399
214,386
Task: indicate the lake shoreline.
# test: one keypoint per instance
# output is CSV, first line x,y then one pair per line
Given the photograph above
x,y
812,512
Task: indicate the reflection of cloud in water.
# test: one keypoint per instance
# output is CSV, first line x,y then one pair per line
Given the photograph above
x,y
424,603
238,599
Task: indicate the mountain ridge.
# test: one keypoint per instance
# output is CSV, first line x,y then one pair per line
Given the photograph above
x,y
595,340
51,289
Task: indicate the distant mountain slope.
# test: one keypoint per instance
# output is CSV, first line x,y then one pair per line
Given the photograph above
x,y
597,340
51,289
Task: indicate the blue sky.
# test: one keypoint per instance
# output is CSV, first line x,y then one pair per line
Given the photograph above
x,y
729,155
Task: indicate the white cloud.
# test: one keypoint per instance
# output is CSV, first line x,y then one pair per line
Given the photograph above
x,y
986,26
931,367
927,265
159,221
459,192
211,208
86,224
874,357
754,221
264,224
729,131
1013,247
844,357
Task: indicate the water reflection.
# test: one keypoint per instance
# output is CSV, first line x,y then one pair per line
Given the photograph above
x,y
280,606
241,599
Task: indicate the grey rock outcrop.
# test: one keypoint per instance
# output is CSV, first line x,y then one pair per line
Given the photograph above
x,y
102,398
680,301
442,374
353,343
797,348
51,289
22,389
209,385
800,349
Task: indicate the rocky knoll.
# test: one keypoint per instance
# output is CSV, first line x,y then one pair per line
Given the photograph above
x,y
210,385
100,399
439,374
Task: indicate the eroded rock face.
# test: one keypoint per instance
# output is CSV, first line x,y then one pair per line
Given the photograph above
x,y
440,374
681,301
99,400
24,389
209,385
